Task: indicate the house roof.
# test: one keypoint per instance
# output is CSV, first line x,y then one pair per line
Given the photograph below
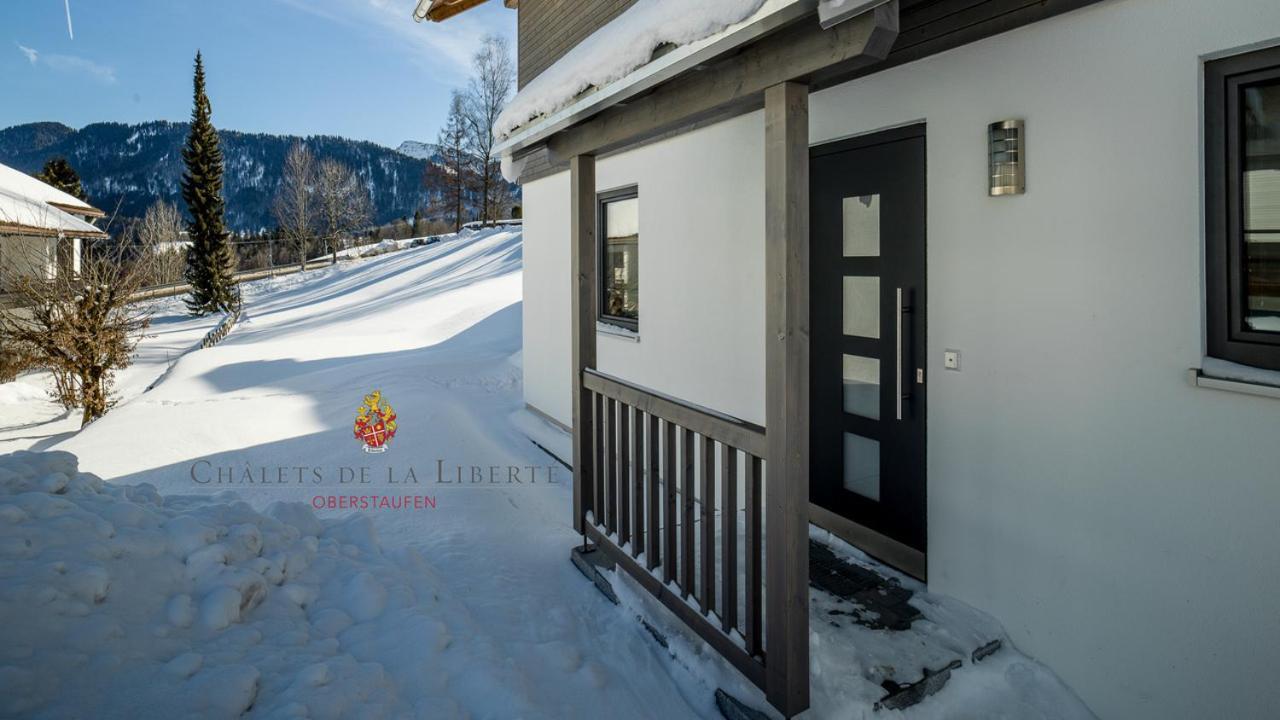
x,y
438,10
647,45
24,215
20,183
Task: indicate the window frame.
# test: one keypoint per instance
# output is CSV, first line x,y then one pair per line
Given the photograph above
x,y
630,192
1225,286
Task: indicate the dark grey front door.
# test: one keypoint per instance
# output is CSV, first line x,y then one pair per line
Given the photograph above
x,y
867,265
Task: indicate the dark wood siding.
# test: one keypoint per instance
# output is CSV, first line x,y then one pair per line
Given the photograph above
x,y
550,28
929,27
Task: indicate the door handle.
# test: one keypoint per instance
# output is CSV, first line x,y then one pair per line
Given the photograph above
x,y
901,394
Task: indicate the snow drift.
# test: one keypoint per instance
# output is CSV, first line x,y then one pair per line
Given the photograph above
x,y
120,602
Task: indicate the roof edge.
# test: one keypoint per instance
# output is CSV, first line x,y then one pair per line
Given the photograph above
x,y
32,231
87,210
656,72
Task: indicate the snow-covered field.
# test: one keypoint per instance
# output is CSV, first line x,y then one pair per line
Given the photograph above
x,y
222,568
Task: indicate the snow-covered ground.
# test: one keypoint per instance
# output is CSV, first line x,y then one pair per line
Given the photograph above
x,y
222,567
31,420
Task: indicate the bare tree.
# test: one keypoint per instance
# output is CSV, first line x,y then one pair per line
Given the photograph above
x,y
295,203
160,245
453,174
343,201
487,94
81,327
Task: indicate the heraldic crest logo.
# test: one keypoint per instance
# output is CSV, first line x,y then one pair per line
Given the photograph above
x,y
375,423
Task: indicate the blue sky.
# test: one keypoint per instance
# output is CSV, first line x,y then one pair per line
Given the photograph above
x,y
356,68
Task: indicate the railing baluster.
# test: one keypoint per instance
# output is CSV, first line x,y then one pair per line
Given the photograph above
x,y
637,471
708,525
669,491
597,410
686,489
753,501
624,474
653,551
610,467
728,536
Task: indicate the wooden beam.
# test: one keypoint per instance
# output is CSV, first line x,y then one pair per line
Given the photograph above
x,y
901,556
85,210
786,147
582,180
737,84
704,421
441,11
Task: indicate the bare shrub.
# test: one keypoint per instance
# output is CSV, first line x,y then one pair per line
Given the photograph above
x,y
81,327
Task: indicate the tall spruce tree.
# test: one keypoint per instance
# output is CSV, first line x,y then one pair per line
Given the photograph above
x,y
210,260
59,173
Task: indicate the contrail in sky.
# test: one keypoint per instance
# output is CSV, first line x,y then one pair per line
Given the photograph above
x,y
67,5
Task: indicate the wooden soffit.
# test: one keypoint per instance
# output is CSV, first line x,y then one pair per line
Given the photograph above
x,y
439,10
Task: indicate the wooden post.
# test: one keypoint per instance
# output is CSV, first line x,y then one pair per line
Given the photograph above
x,y
582,181
786,197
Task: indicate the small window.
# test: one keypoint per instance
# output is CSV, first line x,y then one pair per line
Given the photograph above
x,y
619,213
1242,159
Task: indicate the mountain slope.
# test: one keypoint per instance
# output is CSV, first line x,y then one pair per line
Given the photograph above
x,y
131,166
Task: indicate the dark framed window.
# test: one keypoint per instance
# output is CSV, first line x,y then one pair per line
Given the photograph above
x,y
1242,191
619,232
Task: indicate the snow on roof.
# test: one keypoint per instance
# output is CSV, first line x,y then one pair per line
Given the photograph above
x,y
23,215
624,44
22,184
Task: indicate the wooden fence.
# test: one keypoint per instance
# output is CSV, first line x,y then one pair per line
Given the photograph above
x,y
220,331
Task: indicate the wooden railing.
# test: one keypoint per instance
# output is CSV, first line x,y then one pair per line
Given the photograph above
x,y
677,442
669,482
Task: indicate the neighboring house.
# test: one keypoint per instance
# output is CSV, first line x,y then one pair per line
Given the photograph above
x,y
41,228
988,288
182,244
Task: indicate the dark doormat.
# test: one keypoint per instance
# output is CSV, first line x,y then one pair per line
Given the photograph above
x,y
879,602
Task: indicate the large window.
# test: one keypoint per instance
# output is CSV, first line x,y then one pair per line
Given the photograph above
x,y
1242,159
619,213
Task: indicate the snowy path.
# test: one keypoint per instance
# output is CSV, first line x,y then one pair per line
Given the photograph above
x,y
437,329
187,602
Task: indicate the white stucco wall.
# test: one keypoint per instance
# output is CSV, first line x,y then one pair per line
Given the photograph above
x,y
25,256
1122,524
701,274
547,354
